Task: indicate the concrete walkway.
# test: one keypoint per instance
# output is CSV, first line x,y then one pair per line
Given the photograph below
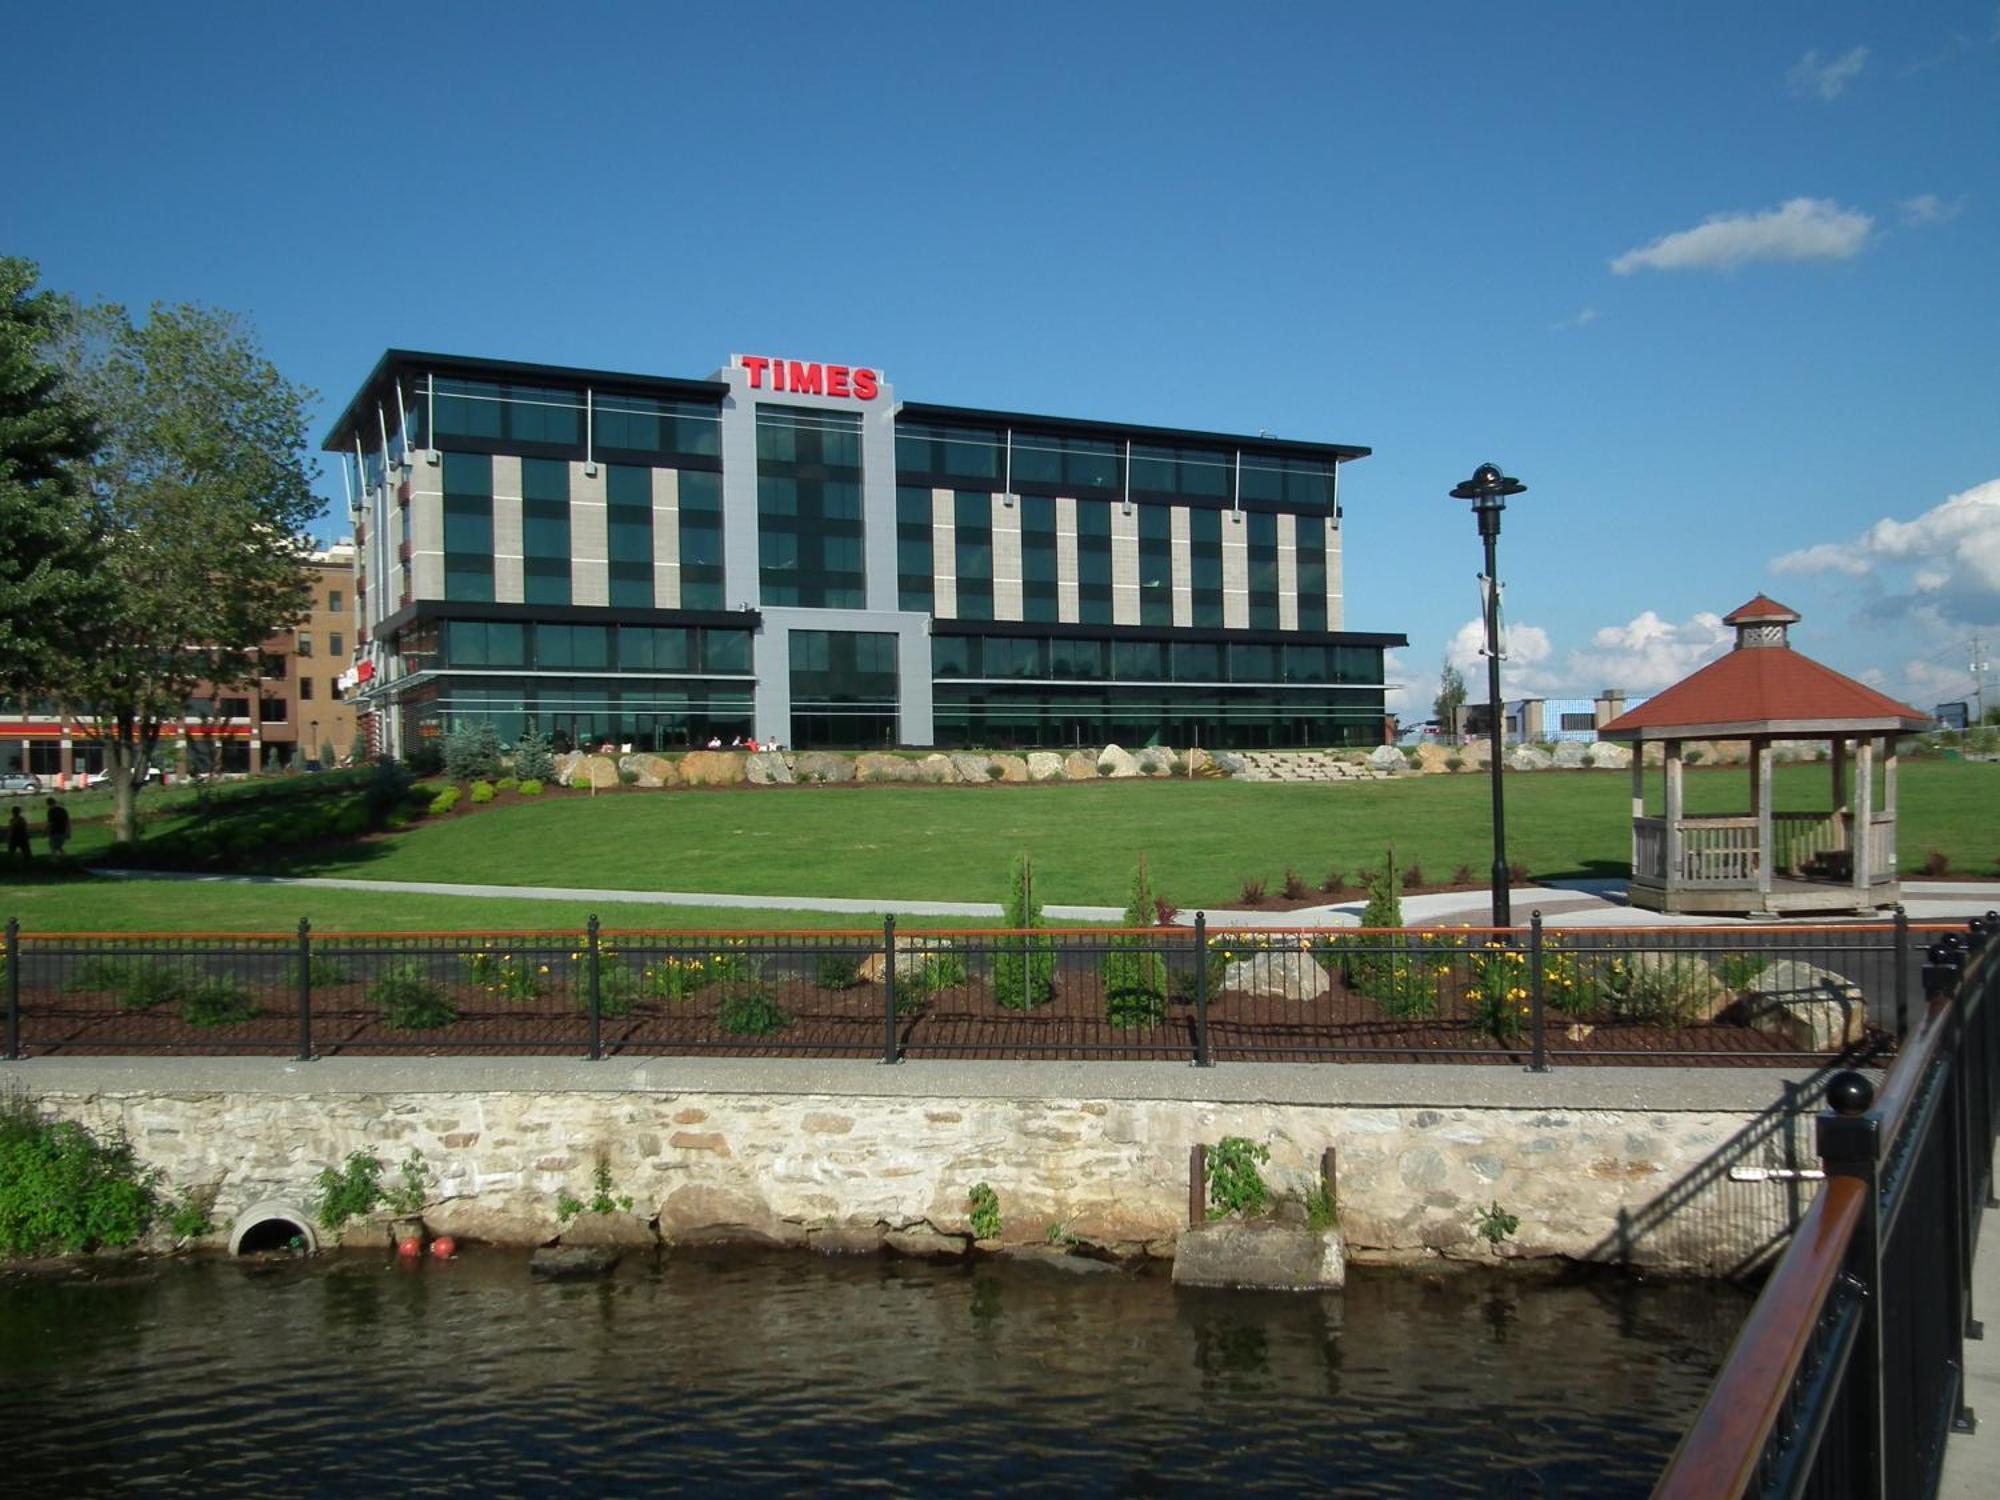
x,y
1972,1459
1582,903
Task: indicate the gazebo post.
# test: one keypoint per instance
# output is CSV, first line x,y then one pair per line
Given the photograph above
x,y
1864,815
1638,803
1841,821
1672,755
1760,786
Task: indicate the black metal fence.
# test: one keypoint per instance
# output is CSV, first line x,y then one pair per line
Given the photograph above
x,y
1526,996
1848,1377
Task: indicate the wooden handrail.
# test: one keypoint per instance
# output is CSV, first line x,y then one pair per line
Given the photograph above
x,y
1718,1456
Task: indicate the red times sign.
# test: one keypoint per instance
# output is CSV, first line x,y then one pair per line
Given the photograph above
x,y
809,378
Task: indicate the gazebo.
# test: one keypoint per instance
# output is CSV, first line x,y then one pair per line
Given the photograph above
x,y
1766,861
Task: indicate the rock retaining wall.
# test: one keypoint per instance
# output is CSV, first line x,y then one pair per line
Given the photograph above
x,y
1648,1187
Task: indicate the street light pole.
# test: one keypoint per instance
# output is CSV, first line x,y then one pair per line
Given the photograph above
x,y
1488,490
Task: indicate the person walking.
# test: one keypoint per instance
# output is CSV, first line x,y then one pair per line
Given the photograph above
x,y
58,825
17,836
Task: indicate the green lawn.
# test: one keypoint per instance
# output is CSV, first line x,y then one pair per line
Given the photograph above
x,y
1203,840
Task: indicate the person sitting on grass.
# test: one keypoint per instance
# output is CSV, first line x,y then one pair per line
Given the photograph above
x,y
58,826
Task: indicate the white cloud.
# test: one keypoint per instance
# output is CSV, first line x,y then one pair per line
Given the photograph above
x,y
1810,78
1929,208
1582,318
1943,566
1643,655
1405,699
1801,229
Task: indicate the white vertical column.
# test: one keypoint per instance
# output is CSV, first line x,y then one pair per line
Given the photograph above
x,y
1180,542
1069,607
509,579
666,538
1760,763
1235,571
944,554
1006,561
1124,565
1336,609
589,536
1288,570
1864,816
1673,756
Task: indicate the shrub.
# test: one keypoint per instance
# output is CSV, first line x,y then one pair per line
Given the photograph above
x,y
627,776
351,1192
1235,1186
218,1001
1935,864
1394,970
751,1012
580,782
1135,973
1164,912
64,1189
533,760
1737,970
839,971
1454,762
1497,989
983,1210
1295,886
531,788
472,750
505,975
1322,1208
410,1000
482,793
1181,978
506,784
1413,877
941,969
1333,881
1024,968
444,801
1665,989
133,984
1462,875
1694,756
1252,893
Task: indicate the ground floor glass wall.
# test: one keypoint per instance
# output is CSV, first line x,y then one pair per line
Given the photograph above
x,y
1068,715
584,713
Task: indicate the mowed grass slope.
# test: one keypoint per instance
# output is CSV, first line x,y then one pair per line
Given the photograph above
x,y
1202,839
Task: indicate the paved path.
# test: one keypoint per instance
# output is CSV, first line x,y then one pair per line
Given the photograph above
x,y
1583,903
1972,1459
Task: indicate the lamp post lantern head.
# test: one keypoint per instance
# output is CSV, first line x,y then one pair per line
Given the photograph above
x,y
1488,490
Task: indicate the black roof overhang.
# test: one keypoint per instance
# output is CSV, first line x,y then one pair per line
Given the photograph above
x,y
919,411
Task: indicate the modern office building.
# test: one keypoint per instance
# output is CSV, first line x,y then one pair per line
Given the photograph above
x,y
787,551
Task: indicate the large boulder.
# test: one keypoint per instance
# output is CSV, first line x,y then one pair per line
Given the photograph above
x,y
1432,757
712,768
1664,984
937,769
1011,768
1044,765
1116,764
1155,760
876,767
767,768
609,1230
652,770
1387,758
974,770
1571,755
814,766
911,956
1277,974
702,1213
1808,1008
1528,758
595,770
1609,755
572,1262
1262,1254
1080,765
1223,761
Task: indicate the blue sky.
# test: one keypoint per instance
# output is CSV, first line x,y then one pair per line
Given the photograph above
x,y
1717,281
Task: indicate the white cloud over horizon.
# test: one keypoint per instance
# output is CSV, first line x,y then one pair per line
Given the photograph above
x,y
1643,655
1941,569
1826,80
1800,229
1928,208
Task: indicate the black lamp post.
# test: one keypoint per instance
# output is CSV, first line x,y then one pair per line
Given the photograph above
x,y
1488,490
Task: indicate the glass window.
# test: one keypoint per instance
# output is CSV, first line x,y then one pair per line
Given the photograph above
x,y
333,601
1093,561
1306,664
1156,565
1077,659
809,508
1261,528
1205,537
953,655
1015,656
468,526
972,512
1139,661
305,688
948,455
725,651
336,645
701,539
1253,663
1197,661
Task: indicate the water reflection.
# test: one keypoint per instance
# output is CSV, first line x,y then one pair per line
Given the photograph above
x,y
790,1372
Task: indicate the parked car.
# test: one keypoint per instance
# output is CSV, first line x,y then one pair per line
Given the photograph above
x,y
103,778
19,784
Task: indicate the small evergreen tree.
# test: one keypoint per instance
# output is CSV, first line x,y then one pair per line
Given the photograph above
x,y
1135,972
1024,968
472,750
533,759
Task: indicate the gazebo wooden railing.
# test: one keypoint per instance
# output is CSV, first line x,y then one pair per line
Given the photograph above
x,y
1722,853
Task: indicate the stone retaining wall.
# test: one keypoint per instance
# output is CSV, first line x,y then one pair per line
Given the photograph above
x,y
1644,1186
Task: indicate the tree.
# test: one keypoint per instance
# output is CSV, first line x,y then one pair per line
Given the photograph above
x,y
1450,697
50,586
1024,968
203,490
472,750
1135,972
533,760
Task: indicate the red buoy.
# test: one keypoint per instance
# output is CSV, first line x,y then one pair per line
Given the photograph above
x,y
444,1247
410,1247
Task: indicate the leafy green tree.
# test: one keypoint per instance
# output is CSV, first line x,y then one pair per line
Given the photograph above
x,y
1450,696
1135,971
1024,968
201,480
50,586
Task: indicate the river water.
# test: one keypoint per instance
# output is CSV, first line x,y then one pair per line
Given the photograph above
x,y
788,1373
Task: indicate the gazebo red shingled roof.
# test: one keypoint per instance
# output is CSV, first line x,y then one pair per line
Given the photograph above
x,y
1763,688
